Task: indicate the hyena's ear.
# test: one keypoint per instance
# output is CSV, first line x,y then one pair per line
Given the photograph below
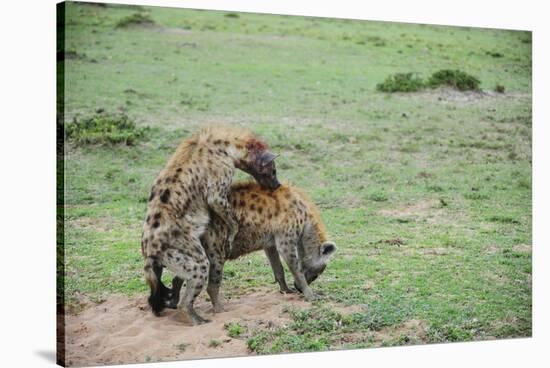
x,y
266,158
327,248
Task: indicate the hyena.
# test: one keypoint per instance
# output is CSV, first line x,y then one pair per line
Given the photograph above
x,y
193,186
284,222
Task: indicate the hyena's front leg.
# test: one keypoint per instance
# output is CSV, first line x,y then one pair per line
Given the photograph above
x,y
291,258
278,271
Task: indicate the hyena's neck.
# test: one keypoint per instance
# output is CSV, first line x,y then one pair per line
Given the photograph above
x,y
233,149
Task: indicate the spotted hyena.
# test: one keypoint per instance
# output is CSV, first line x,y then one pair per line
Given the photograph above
x,y
193,186
283,223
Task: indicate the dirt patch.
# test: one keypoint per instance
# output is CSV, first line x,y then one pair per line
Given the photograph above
x,y
102,224
414,330
436,251
410,332
123,330
348,309
177,31
430,210
495,279
522,248
493,248
446,95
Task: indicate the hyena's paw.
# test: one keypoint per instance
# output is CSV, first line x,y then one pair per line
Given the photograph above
x,y
198,320
288,290
218,308
310,296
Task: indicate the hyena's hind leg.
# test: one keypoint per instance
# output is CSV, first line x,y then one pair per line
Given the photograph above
x,y
213,241
165,292
177,283
215,276
190,265
214,282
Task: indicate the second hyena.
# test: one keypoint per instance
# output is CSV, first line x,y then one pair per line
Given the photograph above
x,y
192,187
283,223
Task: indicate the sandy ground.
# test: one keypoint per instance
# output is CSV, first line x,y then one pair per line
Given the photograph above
x,y
123,330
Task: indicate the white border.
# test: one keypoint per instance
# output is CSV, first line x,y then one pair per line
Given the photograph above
x,y
27,144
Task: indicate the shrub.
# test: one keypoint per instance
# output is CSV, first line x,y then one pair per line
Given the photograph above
x,y
499,88
454,78
104,128
401,82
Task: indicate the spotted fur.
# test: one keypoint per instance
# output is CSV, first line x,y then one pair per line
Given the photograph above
x,y
193,186
284,223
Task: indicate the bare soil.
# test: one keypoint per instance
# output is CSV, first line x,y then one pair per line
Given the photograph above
x,y
123,329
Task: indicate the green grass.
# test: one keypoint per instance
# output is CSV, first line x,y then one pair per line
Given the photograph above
x,y
105,129
410,82
214,343
136,19
454,78
234,329
401,82
427,195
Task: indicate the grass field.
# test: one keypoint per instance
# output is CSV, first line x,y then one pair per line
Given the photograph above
x,y
427,194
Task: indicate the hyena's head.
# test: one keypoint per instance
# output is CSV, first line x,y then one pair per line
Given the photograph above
x,y
260,163
314,253
325,252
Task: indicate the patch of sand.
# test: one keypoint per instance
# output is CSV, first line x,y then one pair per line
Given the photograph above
x,y
429,210
522,248
102,224
451,95
177,31
123,330
414,329
418,208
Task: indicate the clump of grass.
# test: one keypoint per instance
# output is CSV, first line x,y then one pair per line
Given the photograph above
x,y
499,88
454,78
231,15
105,129
494,54
70,55
181,347
234,329
503,219
476,196
411,82
378,196
214,343
258,342
401,82
136,19
374,40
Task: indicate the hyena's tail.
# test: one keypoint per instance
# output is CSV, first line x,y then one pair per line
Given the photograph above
x,y
156,300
